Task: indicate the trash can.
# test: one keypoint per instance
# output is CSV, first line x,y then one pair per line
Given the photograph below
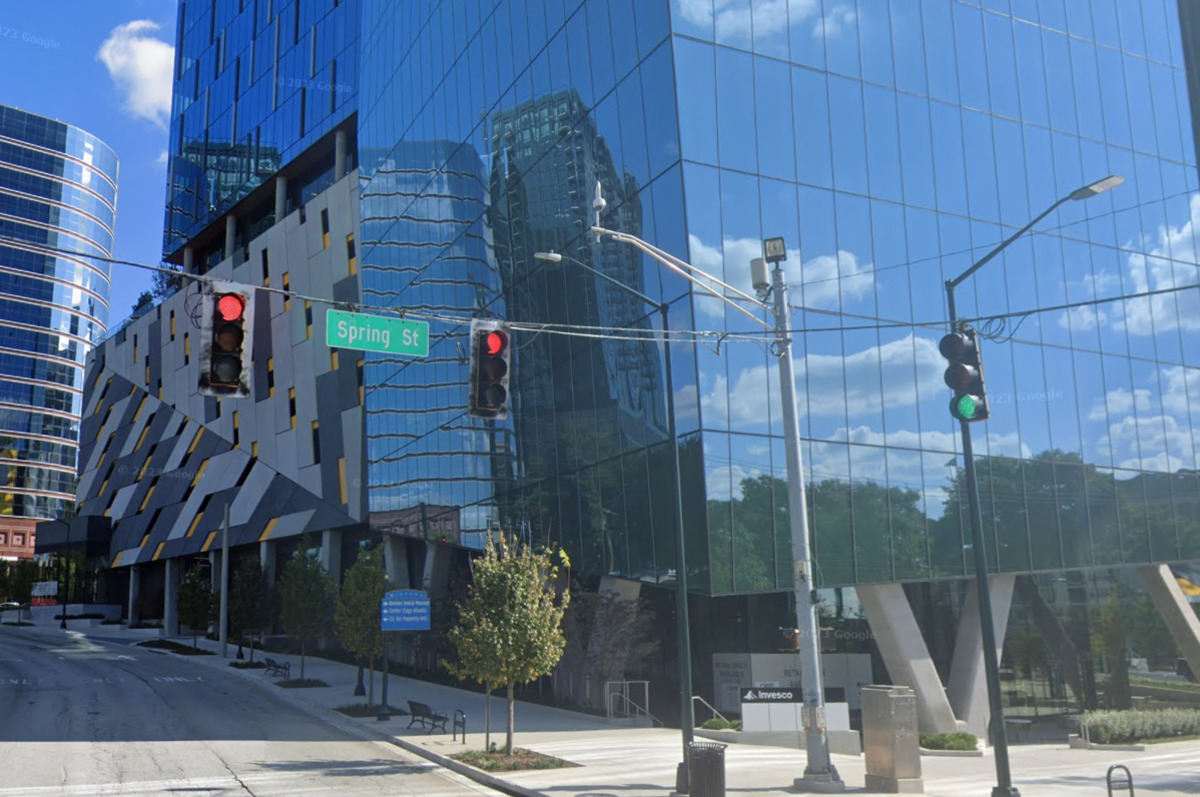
x,y
706,769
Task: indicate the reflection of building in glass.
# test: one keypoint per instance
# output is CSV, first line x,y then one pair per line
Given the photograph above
x,y
58,191
889,153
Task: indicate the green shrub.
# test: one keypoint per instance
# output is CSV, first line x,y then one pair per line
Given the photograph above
x,y
949,741
1124,727
718,724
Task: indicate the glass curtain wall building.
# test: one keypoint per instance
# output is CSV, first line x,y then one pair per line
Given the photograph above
x,y
58,191
890,144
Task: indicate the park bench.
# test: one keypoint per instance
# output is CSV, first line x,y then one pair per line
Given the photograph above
x,y
427,717
283,668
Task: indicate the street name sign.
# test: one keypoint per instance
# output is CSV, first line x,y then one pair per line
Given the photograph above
x,y
376,333
405,610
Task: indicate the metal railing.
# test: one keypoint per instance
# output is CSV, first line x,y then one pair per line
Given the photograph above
x,y
619,693
709,706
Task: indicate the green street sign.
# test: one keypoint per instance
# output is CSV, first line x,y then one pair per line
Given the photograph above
x,y
376,333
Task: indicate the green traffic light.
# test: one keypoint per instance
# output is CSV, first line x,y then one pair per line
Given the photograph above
x,y
967,407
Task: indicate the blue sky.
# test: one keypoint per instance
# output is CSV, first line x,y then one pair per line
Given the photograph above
x,y
105,67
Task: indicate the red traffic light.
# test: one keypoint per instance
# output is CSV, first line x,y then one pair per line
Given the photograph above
x,y
231,306
496,342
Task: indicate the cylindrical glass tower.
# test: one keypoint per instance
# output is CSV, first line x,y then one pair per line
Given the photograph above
x,y
58,196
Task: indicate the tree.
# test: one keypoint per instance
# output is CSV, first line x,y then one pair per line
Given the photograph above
x,y
357,616
21,581
1110,640
510,628
608,631
197,602
144,300
165,283
308,596
250,601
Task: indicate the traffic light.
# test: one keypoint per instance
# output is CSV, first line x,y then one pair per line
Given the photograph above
x,y
965,375
226,337
491,351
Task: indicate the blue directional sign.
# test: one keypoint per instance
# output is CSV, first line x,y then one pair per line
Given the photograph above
x,y
405,610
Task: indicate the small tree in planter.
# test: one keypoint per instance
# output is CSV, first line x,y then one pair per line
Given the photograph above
x,y
250,601
510,629
197,602
308,596
357,617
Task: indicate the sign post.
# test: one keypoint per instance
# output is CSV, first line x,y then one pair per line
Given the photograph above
x,y
400,610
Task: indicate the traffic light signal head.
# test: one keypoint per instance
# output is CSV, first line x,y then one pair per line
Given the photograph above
x,y
491,355
964,375
226,339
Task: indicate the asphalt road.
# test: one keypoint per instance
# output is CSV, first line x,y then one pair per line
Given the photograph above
x,y
81,716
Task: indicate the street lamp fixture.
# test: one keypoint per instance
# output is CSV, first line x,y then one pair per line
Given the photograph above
x,y
687,717
991,664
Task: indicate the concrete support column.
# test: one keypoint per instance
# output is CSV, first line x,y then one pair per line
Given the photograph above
x,y
280,198
230,234
266,557
968,681
395,562
905,654
214,569
331,553
437,566
135,583
340,151
171,579
1162,587
189,260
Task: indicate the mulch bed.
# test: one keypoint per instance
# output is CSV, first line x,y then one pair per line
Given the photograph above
x,y
521,759
175,647
363,710
301,683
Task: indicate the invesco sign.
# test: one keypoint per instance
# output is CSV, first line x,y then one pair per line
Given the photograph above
x,y
771,696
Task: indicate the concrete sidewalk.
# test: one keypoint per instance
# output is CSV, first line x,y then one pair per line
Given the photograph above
x,y
639,762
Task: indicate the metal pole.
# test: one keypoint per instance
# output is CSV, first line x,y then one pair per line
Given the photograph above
x,y
687,720
66,597
384,712
991,664
223,634
819,773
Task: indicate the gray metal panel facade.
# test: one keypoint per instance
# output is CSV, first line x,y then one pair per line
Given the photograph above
x,y
162,461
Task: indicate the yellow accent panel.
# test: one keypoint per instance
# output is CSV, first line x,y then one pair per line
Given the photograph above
x,y
195,522
342,478
142,439
142,472
104,487
117,559
146,500
267,531
208,541
145,539
157,551
200,472
196,440
141,406
333,360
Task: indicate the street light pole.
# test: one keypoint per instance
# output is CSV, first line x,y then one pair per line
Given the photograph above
x,y
683,632
991,662
819,773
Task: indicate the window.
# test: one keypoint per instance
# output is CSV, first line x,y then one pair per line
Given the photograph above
x,y
287,300
292,405
270,376
235,427
172,325
333,360
325,228
316,444
187,348
3,538
351,255
266,274
18,539
308,319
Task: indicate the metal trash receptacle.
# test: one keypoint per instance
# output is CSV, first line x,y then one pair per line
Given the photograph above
x,y
706,769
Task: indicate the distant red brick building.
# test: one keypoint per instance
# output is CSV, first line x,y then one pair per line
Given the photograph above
x,y
17,537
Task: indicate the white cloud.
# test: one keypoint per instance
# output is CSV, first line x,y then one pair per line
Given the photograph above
x,y
733,20
162,158
832,24
1182,383
1119,402
824,281
1155,443
141,66
724,483
896,373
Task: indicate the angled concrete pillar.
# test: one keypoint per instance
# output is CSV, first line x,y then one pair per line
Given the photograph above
x,y
395,562
340,150
437,566
189,260
230,234
280,198
905,654
171,578
135,583
1058,639
1162,587
266,557
331,553
968,682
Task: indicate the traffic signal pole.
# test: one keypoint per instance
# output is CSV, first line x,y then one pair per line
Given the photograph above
x,y
991,663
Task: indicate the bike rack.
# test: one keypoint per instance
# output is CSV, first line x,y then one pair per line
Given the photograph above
x,y
1125,780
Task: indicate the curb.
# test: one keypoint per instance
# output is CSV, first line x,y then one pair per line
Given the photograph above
x,y
951,753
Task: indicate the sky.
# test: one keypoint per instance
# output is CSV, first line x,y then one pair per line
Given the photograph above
x,y
104,67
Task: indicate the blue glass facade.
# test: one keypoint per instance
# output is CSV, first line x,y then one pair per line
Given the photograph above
x,y
890,144
256,83
58,188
